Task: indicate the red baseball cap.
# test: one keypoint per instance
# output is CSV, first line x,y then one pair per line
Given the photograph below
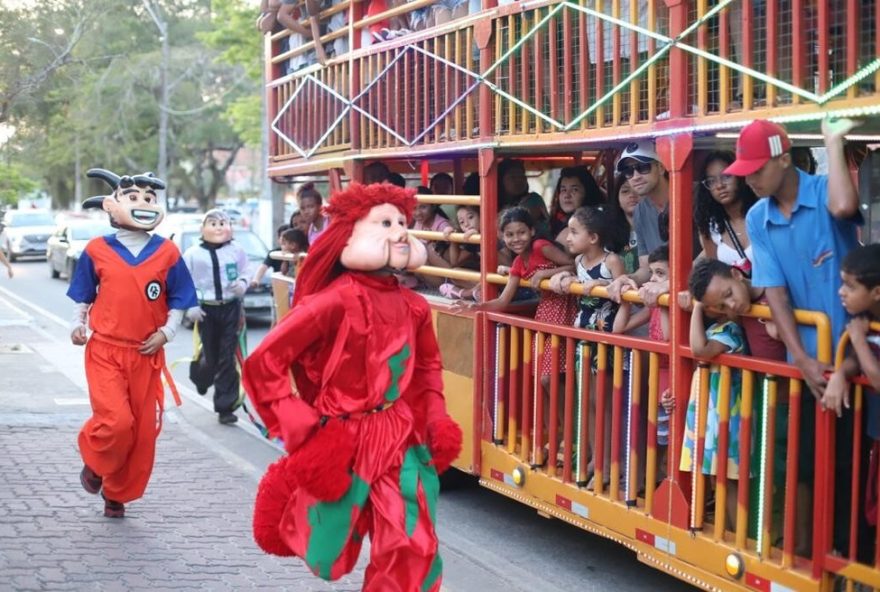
x,y
758,142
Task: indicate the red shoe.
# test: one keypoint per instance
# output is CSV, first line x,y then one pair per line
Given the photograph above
x,y
113,509
90,480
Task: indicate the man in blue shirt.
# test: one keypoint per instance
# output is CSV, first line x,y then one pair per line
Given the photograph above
x,y
800,233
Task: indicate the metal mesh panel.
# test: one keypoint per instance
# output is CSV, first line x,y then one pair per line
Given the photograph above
x,y
868,49
836,41
784,24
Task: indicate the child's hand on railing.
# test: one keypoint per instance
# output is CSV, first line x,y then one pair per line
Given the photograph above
x,y
650,292
460,306
447,232
540,276
561,281
620,285
858,328
685,301
503,270
667,401
469,233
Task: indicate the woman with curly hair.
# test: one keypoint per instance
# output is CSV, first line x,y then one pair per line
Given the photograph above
x,y
720,213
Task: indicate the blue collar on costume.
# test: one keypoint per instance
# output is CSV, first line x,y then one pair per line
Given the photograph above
x,y
149,249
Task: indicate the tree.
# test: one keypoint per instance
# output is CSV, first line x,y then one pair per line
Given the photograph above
x,y
233,34
13,184
35,44
103,107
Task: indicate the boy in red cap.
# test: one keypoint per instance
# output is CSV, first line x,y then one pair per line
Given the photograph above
x,y
365,425
801,230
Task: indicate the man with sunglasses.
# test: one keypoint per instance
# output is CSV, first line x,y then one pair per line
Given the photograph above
x,y
131,289
640,165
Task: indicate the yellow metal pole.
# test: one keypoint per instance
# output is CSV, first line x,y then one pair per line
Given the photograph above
x,y
512,388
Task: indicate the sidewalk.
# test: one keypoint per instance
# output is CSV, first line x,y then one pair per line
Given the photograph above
x,y
191,531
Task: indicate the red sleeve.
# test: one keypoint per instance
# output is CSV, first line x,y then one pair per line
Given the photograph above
x,y
425,390
538,257
266,375
516,268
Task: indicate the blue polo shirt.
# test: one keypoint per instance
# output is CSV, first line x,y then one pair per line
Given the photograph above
x,y
803,253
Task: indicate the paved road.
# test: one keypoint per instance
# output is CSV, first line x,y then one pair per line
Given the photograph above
x,y
207,473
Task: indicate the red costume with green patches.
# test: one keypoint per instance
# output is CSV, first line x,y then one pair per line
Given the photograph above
x,y
365,424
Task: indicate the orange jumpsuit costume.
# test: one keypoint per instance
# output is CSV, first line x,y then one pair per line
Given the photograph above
x,y
367,431
125,387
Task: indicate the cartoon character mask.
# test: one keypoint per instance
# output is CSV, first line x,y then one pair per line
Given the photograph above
x,y
216,227
380,240
367,232
133,205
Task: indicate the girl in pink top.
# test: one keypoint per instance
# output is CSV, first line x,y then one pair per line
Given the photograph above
x,y
429,217
310,204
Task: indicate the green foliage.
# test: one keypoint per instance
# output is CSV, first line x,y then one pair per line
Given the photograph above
x,y
245,116
101,106
233,33
13,184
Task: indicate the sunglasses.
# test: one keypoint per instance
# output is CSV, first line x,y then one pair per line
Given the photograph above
x,y
710,182
642,168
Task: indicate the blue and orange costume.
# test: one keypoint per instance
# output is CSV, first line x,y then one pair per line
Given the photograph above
x,y
366,426
129,298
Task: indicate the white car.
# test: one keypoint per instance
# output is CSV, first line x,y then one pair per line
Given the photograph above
x,y
25,233
67,243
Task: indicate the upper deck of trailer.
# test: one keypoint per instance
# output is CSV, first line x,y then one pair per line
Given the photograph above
x,y
560,76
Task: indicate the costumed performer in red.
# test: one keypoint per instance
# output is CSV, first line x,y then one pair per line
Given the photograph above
x,y
366,427
131,289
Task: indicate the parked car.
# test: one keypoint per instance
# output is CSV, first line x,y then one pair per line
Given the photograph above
x,y
258,299
25,233
67,243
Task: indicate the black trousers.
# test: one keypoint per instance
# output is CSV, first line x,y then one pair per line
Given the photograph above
x,y
219,333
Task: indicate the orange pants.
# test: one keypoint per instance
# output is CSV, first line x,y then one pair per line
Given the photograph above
x,y
119,441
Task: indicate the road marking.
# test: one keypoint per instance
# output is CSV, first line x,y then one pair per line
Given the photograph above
x,y
72,401
38,309
189,394
15,348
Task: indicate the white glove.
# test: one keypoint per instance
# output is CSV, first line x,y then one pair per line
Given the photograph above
x,y
238,287
195,314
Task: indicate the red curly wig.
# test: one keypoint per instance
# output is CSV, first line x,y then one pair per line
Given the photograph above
x,y
345,208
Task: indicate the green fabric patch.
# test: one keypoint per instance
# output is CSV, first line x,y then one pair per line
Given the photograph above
x,y
331,526
397,363
415,468
433,573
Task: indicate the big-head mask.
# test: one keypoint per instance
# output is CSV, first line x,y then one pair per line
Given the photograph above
x,y
134,204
